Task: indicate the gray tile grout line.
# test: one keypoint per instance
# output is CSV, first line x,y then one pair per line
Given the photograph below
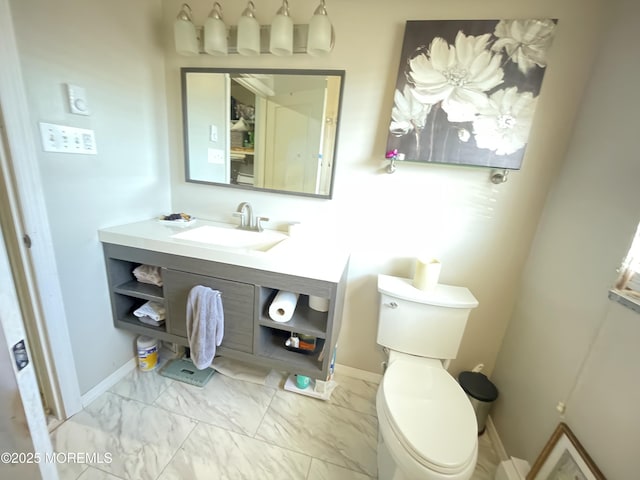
x,y
275,390
178,449
266,411
305,454
103,471
195,421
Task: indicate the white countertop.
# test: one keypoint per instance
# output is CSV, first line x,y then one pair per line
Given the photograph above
x,y
303,257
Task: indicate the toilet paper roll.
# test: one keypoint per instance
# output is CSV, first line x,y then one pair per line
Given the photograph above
x,y
283,306
427,273
318,303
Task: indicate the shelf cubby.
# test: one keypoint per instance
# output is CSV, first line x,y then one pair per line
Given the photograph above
x,y
305,320
271,344
140,290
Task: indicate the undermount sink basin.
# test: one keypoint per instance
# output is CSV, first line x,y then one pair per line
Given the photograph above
x,y
232,237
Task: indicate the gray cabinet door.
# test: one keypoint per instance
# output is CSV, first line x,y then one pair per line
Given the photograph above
x,y
237,303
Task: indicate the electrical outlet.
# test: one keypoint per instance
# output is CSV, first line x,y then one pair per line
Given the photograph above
x,y
216,155
64,139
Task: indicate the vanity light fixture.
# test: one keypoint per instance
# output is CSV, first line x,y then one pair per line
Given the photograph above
x,y
249,32
282,37
215,32
321,37
184,32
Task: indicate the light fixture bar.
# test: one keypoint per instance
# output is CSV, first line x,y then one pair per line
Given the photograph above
x,y
299,39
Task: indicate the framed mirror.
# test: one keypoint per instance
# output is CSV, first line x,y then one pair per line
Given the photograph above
x,y
262,129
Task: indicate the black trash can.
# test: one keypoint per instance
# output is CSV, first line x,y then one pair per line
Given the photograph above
x,y
481,392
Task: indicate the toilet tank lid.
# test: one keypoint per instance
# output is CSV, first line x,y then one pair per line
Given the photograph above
x,y
441,296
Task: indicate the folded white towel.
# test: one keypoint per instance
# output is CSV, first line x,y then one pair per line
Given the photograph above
x,y
148,274
205,324
150,321
153,310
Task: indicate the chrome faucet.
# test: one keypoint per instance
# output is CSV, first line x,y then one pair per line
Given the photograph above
x,y
247,220
245,212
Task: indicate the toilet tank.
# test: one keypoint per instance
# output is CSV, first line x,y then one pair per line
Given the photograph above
x,y
428,324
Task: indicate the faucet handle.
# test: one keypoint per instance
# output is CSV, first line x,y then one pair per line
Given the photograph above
x,y
259,221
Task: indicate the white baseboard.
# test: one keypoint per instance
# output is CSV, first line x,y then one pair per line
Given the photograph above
x,y
495,439
109,382
357,373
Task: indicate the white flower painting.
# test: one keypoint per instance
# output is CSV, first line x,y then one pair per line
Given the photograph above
x,y
467,90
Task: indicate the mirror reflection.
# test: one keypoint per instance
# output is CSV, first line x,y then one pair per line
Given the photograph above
x,y
272,130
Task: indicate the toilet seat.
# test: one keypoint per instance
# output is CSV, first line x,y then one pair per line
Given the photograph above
x,y
429,414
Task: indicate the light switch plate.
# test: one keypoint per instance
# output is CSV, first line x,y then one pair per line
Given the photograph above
x,y
64,139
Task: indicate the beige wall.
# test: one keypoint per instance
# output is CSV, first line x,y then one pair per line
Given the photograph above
x,y
566,341
480,231
112,50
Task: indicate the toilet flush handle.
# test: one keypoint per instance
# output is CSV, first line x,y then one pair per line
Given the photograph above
x,y
391,305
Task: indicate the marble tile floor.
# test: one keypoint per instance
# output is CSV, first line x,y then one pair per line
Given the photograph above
x,y
155,428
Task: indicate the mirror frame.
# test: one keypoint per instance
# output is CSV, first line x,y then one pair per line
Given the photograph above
x,y
185,124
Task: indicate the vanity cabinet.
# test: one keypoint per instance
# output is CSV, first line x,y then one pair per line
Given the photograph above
x,y
250,334
237,301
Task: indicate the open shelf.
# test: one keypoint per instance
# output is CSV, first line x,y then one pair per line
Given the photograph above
x,y
305,320
131,323
124,306
132,320
140,290
271,345
242,150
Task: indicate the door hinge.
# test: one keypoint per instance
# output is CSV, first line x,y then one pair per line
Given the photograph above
x,y
26,239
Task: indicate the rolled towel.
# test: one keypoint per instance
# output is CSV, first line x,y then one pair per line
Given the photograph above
x,y
283,305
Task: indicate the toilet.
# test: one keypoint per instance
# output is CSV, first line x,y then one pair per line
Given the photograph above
x,y
427,426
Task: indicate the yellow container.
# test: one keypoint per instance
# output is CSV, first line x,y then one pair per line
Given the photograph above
x,y
147,353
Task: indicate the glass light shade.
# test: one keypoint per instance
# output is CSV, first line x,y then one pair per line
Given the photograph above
x,y
281,38
248,36
320,39
184,33
215,37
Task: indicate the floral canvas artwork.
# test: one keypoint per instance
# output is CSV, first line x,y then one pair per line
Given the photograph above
x,y
467,90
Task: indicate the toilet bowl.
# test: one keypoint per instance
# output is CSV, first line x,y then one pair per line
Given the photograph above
x,y
427,426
